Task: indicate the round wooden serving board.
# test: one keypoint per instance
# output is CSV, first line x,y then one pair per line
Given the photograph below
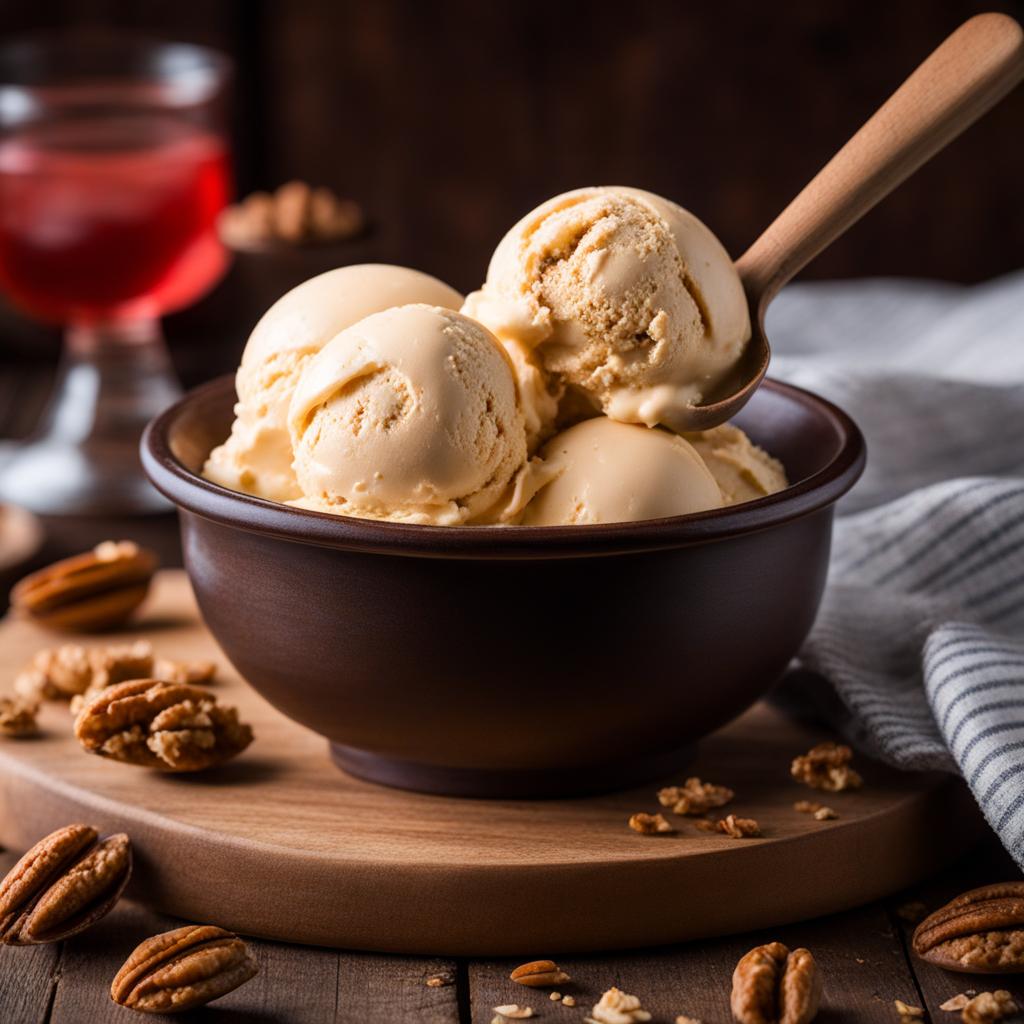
x,y
280,844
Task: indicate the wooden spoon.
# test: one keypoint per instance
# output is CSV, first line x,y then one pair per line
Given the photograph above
x,y
969,73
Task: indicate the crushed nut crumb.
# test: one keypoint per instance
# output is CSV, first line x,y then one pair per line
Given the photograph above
x,y
650,824
739,828
989,1006
694,797
616,1007
826,767
568,1001
682,1019
18,717
438,981
825,814
513,1011
555,997
956,1003
906,1011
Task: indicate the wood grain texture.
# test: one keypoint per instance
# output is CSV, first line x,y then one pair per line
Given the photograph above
x,y
282,845
859,954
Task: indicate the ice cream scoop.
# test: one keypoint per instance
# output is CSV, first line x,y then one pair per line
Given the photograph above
x,y
621,296
412,415
742,470
604,471
257,456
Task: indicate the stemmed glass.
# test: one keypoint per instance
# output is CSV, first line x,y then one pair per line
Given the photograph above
x,y
113,170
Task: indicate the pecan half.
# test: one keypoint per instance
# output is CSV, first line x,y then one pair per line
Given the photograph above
x,y
771,985
93,591
18,717
169,726
63,885
539,974
980,932
182,969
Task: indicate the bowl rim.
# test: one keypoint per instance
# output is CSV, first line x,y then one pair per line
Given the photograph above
x,y
211,501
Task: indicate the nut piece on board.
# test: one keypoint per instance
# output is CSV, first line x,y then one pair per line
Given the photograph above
x,y
168,726
93,591
979,932
18,717
182,969
826,767
772,984
63,885
694,796
650,824
739,828
539,974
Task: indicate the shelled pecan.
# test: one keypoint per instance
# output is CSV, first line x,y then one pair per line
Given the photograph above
x,y
169,726
182,969
980,932
771,985
63,885
96,590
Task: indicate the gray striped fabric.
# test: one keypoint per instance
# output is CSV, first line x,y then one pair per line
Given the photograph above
x,y
921,632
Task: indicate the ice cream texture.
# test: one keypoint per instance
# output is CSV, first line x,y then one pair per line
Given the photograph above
x,y
619,295
604,471
743,471
412,415
257,456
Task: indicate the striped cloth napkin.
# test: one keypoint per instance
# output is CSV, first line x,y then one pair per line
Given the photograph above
x,y
921,632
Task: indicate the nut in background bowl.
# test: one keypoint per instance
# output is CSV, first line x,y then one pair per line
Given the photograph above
x,y
512,661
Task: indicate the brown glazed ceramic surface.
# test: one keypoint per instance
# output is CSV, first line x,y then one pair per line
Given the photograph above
x,y
512,661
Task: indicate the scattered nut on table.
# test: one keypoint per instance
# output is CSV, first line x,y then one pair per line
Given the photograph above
x,y
770,983
66,883
618,1007
989,1006
979,932
907,1012
168,726
539,974
93,591
182,969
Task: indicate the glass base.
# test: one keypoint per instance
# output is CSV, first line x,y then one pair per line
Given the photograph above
x,y
84,458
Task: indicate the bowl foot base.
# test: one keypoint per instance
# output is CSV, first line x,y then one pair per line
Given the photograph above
x,y
509,784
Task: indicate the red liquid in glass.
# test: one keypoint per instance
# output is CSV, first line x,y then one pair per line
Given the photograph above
x,y
106,217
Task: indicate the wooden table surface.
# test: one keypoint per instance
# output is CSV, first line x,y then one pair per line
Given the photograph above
x,y
864,953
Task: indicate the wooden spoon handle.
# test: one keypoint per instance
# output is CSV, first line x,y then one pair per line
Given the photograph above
x,y
969,73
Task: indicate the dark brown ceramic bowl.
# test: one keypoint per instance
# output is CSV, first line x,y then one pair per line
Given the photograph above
x,y
512,661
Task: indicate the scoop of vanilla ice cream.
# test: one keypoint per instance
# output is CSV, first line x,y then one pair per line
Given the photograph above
x,y
411,414
604,471
257,456
742,469
620,294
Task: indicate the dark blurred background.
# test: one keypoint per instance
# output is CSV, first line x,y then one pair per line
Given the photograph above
x,y
449,120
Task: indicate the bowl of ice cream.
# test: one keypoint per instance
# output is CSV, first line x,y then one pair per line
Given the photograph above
x,y
471,546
